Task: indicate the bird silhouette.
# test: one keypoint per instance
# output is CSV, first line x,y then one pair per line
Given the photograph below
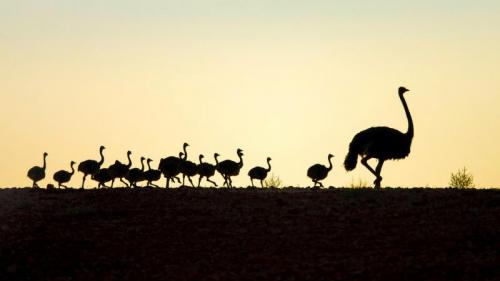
x,y
169,167
229,168
187,168
151,175
381,143
319,172
37,173
102,177
91,167
63,176
136,175
119,170
260,173
206,170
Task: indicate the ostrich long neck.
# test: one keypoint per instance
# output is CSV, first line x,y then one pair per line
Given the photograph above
x,y
269,165
44,162
330,161
240,164
72,168
185,153
216,160
102,157
149,165
409,133
201,161
142,165
129,161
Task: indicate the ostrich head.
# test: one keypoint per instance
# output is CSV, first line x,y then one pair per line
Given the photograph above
x,y
45,154
129,153
72,163
102,148
150,160
181,155
269,159
185,145
402,90
330,156
216,155
201,156
239,152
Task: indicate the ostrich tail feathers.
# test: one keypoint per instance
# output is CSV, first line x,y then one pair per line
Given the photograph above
x,y
351,160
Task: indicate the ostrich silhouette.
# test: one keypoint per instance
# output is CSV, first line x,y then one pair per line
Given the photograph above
x,y
136,175
37,173
91,167
118,170
319,172
151,175
206,170
63,176
230,168
381,143
260,173
187,168
169,167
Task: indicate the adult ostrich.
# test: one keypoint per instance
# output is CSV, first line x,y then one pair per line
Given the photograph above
x,y
382,143
169,167
91,167
260,173
229,168
151,175
118,170
186,167
63,176
136,175
37,173
319,172
206,170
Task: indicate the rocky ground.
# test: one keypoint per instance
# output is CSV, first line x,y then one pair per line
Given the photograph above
x,y
250,234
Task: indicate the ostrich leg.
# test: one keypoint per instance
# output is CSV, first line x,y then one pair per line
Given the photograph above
x,y
378,169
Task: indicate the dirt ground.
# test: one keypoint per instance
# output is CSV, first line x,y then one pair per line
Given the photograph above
x,y
250,234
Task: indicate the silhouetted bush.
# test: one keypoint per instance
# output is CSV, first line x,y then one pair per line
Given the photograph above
x,y
462,179
273,181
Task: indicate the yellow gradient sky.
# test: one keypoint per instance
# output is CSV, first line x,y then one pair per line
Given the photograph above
x,y
293,80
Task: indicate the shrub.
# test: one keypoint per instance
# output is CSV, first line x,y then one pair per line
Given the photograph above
x,y
273,181
360,183
462,179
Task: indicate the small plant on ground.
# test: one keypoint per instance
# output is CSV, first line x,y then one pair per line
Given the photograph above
x,y
462,179
359,183
273,181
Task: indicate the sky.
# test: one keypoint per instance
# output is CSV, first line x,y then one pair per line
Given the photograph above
x,y
292,80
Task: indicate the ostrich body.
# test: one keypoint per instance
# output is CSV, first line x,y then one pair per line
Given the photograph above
x,y
63,176
169,167
206,170
118,170
151,175
136,175
260,173
37,173
102,177
229,168
319,172
91,167
381,143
